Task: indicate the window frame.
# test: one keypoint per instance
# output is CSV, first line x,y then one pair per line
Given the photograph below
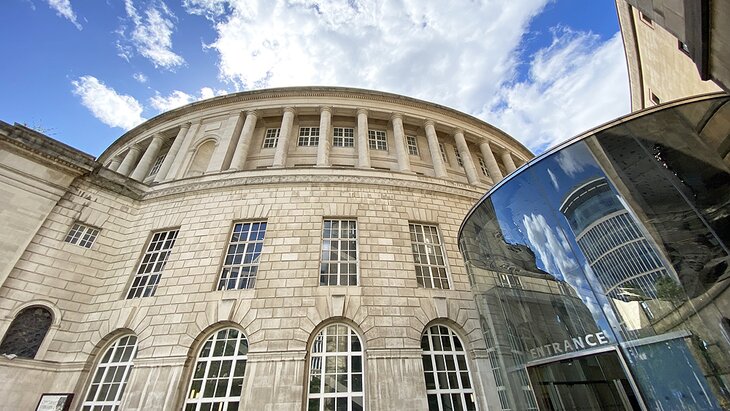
x,y
156,165
377,140
431,354
271,137
143,260
442,150
338,262
429,265
483,166
345,140
412,146
235,358
128,365
349,394
251,280
310,138
19,329
82,235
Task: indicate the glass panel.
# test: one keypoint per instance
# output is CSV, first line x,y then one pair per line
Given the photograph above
x,y
619,239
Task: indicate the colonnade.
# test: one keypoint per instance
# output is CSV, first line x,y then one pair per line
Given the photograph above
x,y
233,149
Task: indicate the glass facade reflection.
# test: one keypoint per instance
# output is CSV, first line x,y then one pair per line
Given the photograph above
x,y
601,269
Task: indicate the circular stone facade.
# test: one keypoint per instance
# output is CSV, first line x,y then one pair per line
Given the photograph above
x,y
279,249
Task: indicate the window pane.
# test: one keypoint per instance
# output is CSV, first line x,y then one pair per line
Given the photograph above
x,y
112,372
451,383
339,382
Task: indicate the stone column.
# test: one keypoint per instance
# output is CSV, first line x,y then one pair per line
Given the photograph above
x,y
404,163
325,126
282,148
129,160
433,146
114,164
494,172
244,141
172,153
363,152
469,169
508,162
148,158
229,138
182,153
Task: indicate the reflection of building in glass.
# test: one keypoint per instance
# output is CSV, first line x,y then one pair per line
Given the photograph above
x,y
523,312
617,251
635,219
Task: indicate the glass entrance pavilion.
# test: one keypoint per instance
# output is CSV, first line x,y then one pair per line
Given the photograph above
x,y
601,271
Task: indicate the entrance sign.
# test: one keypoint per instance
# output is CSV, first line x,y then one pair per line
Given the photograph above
x,y
566,346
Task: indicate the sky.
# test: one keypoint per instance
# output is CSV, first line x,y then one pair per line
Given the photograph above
x,y
84,72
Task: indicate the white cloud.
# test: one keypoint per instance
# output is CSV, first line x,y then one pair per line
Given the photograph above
x,y
179,98
551,246
463,55
140,77
112,108
576,83
150,34
63,9
455,55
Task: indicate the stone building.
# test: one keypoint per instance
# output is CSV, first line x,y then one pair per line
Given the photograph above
x,y
675,48
280,249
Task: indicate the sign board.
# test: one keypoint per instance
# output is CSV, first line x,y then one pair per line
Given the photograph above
x,y
54,402
573,344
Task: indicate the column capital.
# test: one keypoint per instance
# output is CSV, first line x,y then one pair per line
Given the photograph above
x,y
135,147
428,122
289,109
158,136
458,130
325,109
362,111
186,125
396,115
251,113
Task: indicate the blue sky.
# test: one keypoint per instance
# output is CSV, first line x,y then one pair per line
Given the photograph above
x,y
84,72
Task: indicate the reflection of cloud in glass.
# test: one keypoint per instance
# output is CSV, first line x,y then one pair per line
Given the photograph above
x,y
572,162
551,246
553,179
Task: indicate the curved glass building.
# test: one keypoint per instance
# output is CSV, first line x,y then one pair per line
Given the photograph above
x,y
600,269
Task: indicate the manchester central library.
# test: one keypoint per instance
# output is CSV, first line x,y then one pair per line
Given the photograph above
x,y
340,249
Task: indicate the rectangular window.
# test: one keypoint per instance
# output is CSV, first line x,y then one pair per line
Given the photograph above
x,y
428,256
271,139
339,253
458,158
683,47
153,262
483,166
412,145
343,137
654,99
242,258
377,140
156,166
646,19
308,136
82,235
442,149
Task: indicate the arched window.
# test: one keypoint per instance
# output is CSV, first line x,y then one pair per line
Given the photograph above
x,y
25,334
218,374
111,375
448,384
336,370
199,163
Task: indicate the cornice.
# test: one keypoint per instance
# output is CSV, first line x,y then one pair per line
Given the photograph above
x,y
425,184
52,152
312,92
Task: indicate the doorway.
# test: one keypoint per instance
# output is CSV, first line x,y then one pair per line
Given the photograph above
x,y
595,382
